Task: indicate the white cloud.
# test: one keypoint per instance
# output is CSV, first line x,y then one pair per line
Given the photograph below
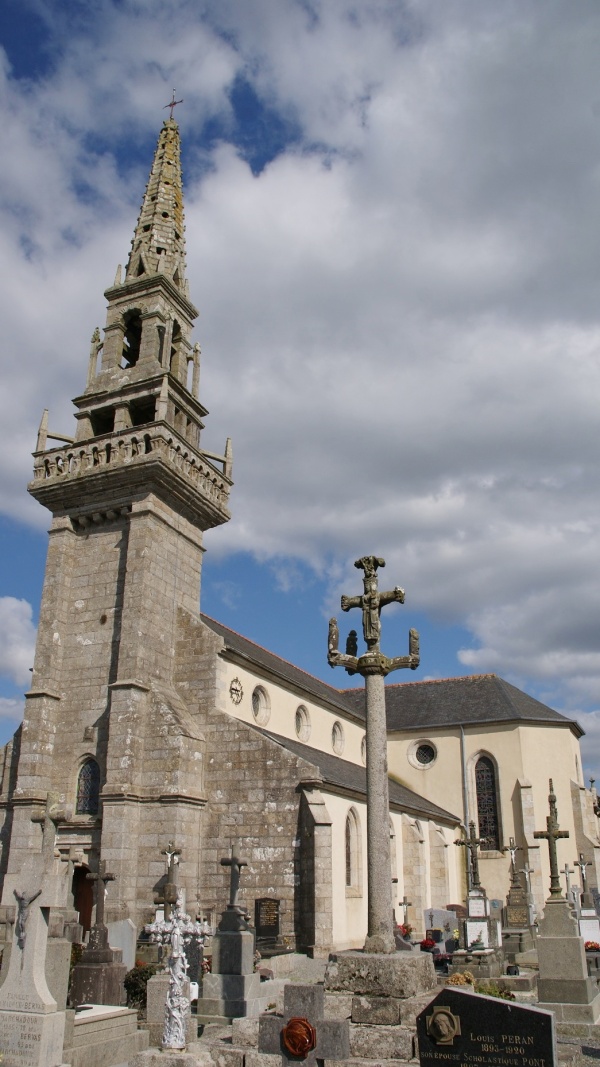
x,y
17,639
399,315
11,710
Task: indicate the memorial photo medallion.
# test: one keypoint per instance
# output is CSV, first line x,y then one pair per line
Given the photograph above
x,y
299,1037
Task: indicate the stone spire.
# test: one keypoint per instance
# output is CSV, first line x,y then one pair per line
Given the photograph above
x,y
158,245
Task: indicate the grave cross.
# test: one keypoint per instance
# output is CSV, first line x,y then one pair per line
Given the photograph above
x,y
528,871
512,848
101,877
49,819
303,1032
582,863
168,897
551,834
235,863
567,871
406,904
471,844
374,666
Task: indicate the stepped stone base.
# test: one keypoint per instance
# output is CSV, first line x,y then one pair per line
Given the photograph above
x,y
102,1036
397,975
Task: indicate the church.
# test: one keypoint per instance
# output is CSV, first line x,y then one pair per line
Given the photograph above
x,y
148,722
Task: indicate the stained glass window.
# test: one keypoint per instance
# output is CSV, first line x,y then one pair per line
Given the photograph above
x,y
88,788
487,803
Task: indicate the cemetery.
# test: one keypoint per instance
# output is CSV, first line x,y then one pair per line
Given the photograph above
x,y
185,880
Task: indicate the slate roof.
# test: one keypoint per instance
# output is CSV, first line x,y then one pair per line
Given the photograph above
x,y
480,698
287,672
345,775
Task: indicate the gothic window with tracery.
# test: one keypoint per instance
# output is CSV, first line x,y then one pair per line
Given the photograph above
x,y
88,789
487,803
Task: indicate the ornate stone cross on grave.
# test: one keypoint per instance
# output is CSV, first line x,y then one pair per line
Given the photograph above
x,y
99,931
551,834
177,931
374,666
567,871
168,897
304,1033
512,849
471,844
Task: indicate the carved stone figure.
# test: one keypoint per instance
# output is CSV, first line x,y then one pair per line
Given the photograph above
x,y
23,902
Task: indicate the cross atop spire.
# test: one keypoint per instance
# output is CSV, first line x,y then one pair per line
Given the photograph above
x,y
158,245
173,104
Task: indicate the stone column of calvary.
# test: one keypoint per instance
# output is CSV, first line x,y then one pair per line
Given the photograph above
x,y
373,666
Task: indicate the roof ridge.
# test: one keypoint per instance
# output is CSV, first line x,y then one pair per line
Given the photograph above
x,y
438,681
268,652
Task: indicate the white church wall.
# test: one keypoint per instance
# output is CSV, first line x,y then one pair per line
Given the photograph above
x,y
349,902
278,714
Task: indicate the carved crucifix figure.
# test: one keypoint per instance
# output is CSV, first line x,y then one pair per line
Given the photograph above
x,y
512,848
552,834
23,902
406,904
374,666
471,844
582,863
168,897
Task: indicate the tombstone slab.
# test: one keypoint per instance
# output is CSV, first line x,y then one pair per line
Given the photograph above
x,y
459,1028
371,974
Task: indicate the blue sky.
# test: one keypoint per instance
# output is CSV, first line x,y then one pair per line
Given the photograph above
x,y
393,237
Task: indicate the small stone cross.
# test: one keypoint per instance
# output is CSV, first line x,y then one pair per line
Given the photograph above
x,y
406,904
528,871
551,834
582,863
101,877
303,1032
235,863
471,844
567,871
51,816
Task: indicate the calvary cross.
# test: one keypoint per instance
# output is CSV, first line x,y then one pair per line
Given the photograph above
x,y
471,845
551,834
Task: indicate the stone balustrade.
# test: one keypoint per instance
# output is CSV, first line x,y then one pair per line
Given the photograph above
x,y
133,446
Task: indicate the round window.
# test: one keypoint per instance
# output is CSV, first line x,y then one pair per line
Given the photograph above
x,y
260,706
302,723
422,754
337,738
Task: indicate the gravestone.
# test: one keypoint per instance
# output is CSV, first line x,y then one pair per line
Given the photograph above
x,y
303,1032
459,1028
440,922
266,920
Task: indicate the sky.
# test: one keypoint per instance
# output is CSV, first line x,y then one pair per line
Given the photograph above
x,y
393,237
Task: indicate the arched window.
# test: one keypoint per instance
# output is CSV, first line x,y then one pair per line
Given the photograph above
x,y
352,850
88,789
487,803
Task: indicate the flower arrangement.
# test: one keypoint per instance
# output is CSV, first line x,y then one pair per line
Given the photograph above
x,y
206,964
427,943
592,946
405,929
461,978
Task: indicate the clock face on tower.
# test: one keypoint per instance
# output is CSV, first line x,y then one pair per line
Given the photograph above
x,y
236,691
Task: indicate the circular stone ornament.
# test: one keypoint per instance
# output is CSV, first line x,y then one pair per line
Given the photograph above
x,y
299,1037
236,691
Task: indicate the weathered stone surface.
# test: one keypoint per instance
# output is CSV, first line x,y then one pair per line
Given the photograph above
x,y
262,1059
245,1032
413,1006
338,1005
381,1042
377,1011
391,975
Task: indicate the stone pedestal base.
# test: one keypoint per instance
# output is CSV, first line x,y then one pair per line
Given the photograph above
x,y
156,999
97,982
102,1035
397,975
32,1039
561,958
515,941
233,996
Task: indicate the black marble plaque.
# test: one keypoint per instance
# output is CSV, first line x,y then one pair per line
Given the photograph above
x,y
468,1028
266,918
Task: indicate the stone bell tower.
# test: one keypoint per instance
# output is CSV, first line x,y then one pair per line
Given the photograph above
x,y
105,728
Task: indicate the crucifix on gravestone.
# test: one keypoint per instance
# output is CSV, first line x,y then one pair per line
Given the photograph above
x,y
471,844
528,871
99,931
552,834
168,896
567,871
406,904
586,896
374,666
512,848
